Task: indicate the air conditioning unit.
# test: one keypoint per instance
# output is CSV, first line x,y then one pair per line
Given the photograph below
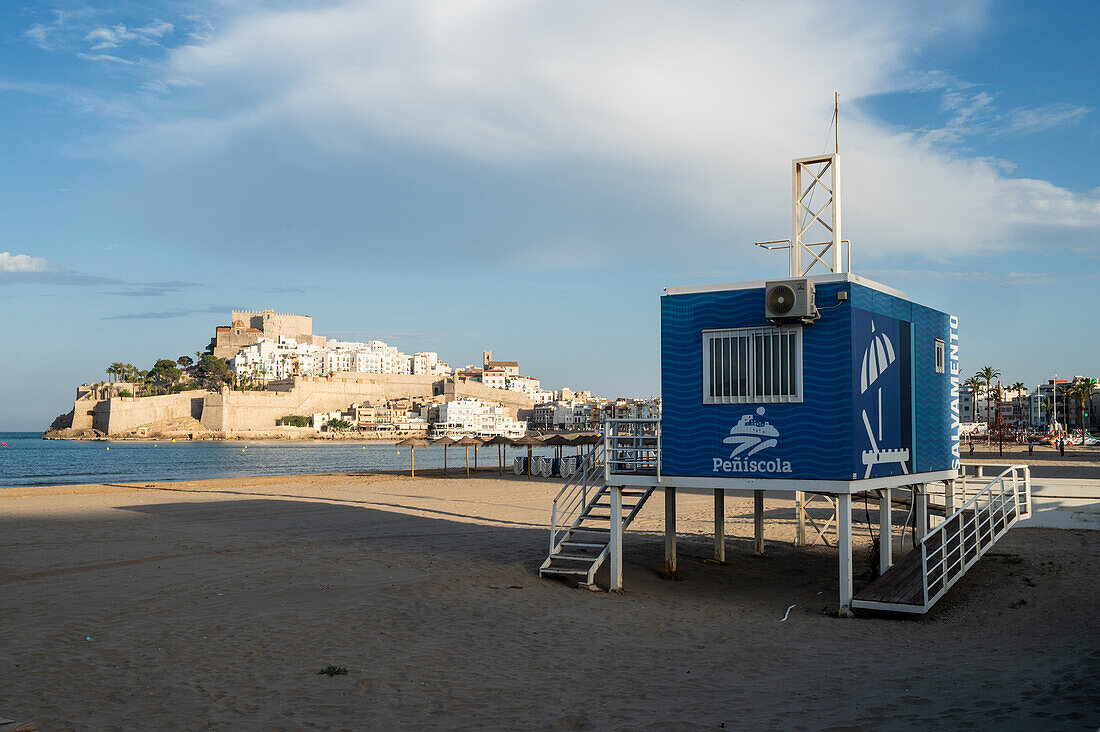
x,y
790,301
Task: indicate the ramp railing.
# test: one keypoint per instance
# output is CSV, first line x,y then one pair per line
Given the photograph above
x,y
951,548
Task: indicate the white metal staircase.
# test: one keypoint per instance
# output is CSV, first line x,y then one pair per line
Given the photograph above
x,y
580,525
921,577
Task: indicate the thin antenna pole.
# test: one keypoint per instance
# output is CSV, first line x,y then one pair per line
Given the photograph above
x,y
836,121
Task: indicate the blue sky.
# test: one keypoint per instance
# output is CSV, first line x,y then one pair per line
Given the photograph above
x,y
525,176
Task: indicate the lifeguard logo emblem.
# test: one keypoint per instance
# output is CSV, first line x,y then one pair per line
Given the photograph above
x,y
750,436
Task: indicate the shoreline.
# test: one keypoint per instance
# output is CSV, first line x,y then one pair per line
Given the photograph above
x,y
230,437
453,473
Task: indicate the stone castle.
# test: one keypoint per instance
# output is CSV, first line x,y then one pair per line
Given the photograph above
x,y
248,327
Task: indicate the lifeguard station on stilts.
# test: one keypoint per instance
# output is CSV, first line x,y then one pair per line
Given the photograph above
x,y
818,387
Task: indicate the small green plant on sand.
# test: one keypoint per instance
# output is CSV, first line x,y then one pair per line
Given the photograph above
x,y
331,670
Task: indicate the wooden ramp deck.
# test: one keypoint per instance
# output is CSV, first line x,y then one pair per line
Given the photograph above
x,y
901,587
915,582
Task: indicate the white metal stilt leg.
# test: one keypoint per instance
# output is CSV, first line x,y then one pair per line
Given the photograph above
x,y
920,504
885,531
800,516
720,525
844,545
758,520
670,533
616,539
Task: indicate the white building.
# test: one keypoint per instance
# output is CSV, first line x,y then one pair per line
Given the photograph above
x,y
568,395
474,417
268,359
526,385
494,378
372,357
428,364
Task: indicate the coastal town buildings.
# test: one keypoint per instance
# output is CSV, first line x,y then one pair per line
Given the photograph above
x,y
591,414
1033,409
286,357
474,417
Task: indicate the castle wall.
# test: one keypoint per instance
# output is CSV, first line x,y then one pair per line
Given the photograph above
x,y
242,411
258,411
84,412
227,341
125,414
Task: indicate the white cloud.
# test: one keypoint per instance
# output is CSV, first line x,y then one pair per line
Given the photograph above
x,y
105,57
707,100
22,263
1026,120
43,35
103,37
973,112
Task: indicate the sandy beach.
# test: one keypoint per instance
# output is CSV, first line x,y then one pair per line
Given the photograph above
x,y
213,605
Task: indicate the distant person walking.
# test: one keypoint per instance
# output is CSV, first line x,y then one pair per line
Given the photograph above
x,y
971,447
1062,448
1030,447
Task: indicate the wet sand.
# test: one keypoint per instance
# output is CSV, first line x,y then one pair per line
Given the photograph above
x,y
213,604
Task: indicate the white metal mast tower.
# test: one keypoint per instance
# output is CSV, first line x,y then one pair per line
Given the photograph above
x,y
816,228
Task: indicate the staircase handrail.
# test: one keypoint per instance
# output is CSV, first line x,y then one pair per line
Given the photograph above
x,y
574,494
632,445
993,498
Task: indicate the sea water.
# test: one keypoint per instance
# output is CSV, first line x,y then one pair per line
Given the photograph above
x,y
29,460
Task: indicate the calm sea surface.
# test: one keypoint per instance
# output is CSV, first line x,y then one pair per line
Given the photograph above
x,y
30,460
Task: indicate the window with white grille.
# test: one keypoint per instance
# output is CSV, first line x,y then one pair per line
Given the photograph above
x,y
752,365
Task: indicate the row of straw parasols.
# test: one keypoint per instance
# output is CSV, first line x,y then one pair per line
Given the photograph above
x,y
502,443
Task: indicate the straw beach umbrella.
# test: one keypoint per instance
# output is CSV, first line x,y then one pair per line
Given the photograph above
x,y
446,442
502,443
466,441
530,441
586,438
412,443
558,442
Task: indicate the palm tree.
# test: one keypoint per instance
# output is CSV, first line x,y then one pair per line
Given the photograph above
x,y
975,385
1020,388
1091,383
987,374
1080,392
1046,404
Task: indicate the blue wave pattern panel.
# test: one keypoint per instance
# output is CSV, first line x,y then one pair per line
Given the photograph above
x,y
815,436
932,392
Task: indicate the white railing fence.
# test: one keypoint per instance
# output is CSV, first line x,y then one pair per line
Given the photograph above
x,y
575,494
632,446
949,549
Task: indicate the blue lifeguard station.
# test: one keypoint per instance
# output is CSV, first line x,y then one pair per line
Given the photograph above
x,y
815,387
